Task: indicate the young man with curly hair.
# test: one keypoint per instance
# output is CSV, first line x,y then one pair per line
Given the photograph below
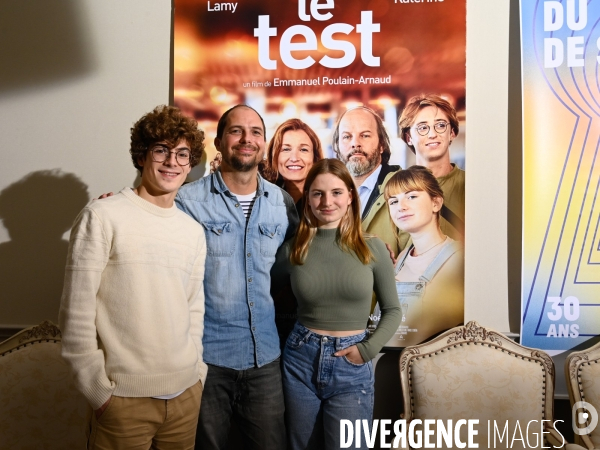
x,y
132,310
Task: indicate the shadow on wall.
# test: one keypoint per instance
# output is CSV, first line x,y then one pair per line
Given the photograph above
x,y
42,42
36,210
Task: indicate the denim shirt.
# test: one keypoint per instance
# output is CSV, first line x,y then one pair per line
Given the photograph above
x,y
239,321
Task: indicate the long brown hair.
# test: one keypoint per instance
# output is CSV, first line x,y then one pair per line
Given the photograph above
x,y
271,171
350,235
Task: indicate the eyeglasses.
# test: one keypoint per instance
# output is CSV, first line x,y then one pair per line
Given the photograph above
x,y
161,153
439,127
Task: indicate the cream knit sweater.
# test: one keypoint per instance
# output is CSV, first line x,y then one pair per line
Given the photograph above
x,y
132,309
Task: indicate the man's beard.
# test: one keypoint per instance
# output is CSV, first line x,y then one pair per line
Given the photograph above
x,y
243,165
359,168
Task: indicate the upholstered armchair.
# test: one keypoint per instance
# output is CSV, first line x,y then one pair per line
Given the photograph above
x,y
474,373
39,405
582,371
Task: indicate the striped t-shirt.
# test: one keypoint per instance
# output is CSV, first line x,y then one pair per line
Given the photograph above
x,y
246,202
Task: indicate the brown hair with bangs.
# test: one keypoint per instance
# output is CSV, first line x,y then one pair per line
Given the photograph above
x,y
350,235
415,178
271,171
416,104
165,124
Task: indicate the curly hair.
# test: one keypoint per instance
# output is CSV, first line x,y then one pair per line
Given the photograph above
x,y
384,139
271,171
165,124
416,104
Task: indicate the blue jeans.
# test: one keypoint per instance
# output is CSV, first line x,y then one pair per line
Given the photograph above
x,y
253,397
321,389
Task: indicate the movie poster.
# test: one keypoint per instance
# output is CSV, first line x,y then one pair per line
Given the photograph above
x,y
561,138
313,60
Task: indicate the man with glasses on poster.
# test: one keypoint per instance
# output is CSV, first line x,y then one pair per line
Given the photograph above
x,y
428,125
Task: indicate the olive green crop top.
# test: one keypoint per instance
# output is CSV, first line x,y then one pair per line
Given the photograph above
x,y
334,289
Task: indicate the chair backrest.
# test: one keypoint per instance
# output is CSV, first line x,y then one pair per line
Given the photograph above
x,y
582,371
473,373
39,405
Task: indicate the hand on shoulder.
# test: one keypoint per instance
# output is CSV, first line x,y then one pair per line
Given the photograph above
x,y
106,195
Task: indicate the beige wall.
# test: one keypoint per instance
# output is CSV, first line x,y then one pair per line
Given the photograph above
x,y
486,274
77,73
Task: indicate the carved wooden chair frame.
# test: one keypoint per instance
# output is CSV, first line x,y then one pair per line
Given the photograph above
x,y
474,334
574,365
44,332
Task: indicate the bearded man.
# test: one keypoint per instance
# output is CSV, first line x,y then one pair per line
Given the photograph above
x,y
245,219
361,142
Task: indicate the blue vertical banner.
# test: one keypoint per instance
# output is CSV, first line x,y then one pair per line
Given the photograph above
x,y
561,173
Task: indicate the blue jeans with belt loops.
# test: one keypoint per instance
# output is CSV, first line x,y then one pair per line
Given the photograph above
x,y
321,389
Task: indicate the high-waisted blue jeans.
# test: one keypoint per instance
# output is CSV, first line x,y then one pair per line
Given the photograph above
x,y
321,389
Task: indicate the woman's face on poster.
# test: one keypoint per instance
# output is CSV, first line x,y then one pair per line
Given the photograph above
x,y
414,211
296,155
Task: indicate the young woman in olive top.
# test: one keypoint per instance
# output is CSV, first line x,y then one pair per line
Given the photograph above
x,y
333,270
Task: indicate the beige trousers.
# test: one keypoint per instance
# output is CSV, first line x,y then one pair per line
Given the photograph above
x,y
144,423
